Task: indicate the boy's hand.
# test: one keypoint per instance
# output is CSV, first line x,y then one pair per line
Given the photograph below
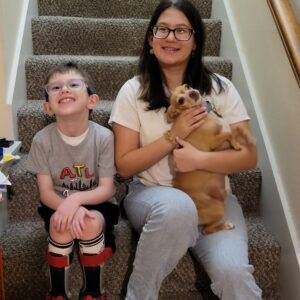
x,y
78,223
63,216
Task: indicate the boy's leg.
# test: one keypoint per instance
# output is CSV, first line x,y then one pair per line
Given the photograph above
x,y
224,255
166,219
93,254
59,258
59,254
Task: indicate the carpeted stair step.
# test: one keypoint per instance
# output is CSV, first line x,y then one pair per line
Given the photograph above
x,y
25,269
23,205
108,72
88,36
110,8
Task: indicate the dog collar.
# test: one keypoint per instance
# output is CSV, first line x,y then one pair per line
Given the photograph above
x,y
211,107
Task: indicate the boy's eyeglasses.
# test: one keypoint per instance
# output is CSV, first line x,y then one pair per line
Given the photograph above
x,y
180,33
74,85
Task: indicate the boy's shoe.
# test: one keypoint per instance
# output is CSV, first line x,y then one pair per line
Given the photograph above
x,y
60,297
88,297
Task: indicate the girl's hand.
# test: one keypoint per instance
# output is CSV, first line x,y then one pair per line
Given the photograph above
x,y
188,120
78,224
186,158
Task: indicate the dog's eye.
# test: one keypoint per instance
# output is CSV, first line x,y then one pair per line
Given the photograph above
x,y
180,100
193,95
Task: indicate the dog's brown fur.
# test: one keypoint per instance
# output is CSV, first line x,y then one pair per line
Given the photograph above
x,y
207,189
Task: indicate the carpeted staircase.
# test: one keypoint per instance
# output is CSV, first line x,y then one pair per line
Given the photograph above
x,y
105,37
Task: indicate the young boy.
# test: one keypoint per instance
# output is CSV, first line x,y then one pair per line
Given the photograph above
x,y
74,162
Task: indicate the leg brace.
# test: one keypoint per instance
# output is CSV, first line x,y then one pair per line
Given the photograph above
x,y
92,265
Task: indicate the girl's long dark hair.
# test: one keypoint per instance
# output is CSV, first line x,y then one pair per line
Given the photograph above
x,y
196,74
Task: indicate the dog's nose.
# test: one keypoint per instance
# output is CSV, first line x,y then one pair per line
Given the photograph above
x,y
194,95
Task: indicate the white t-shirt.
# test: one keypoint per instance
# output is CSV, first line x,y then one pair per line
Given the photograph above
x,y
132,113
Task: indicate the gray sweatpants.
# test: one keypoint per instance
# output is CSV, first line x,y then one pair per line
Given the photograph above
x,y
166,219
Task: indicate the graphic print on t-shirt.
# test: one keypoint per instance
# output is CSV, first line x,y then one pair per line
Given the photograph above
x,y
78,177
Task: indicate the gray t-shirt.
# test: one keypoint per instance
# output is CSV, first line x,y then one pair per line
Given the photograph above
x,y
73,168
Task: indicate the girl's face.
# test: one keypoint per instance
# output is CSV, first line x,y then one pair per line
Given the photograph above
x,y
169,51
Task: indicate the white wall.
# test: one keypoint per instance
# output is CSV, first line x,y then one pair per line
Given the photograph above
x,y
11,22
6,126
9,25
15,44
269,82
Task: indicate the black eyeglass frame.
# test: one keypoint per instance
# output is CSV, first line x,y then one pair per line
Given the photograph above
x,y
155,28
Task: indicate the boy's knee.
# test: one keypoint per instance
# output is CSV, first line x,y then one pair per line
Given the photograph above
x,y
94,225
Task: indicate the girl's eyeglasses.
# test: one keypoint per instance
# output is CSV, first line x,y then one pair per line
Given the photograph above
x,y
180,33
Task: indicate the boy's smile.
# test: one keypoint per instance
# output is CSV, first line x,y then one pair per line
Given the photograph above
x,y
66,100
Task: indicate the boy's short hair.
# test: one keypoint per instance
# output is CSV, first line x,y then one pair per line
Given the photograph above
x,y
65,68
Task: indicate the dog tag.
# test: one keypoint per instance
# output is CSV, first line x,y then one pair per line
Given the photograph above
x,y
210,107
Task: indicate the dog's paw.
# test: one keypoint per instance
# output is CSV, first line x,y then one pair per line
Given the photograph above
x,y
236,145
228,226
204,231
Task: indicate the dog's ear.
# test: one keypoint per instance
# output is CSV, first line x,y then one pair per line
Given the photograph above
x,y
172,114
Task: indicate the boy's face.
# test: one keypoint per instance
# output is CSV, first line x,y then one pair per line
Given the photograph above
x,y
68,95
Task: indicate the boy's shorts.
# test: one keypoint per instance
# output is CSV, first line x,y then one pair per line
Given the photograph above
x,y
109,211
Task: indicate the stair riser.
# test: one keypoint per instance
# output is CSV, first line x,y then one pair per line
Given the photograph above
x,y
107,9
25,198
24,264
119,70
79,36
29,124
247,186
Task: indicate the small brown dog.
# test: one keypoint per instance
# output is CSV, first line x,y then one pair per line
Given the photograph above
x,y
207,189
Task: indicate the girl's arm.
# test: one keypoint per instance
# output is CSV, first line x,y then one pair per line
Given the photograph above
x,y
131,158
188,158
